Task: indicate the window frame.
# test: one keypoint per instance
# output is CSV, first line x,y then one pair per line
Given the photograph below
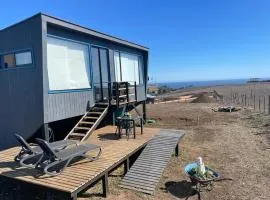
x,y
90,67
30,65
140,57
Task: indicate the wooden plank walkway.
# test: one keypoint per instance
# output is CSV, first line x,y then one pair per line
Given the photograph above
x,y
145,173
81,175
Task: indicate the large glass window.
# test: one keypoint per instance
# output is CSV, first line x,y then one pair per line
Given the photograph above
x,y
68,64
128,67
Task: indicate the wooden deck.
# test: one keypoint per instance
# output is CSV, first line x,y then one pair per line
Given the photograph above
x,y
79,176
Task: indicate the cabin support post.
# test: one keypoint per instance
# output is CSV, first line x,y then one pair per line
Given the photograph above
x,y
268,104
263,104
177,150
144,111
254,102
45,132
74,197
49,195
126,166
105,185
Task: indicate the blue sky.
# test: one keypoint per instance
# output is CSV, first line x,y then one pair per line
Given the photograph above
x,y
188,40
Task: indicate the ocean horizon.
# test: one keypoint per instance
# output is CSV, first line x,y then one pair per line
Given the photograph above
x,y
186,84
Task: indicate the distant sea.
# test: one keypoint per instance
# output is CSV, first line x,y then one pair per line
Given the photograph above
x,y
176,85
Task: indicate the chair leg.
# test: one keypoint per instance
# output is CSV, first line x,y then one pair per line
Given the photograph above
x,y
46,169
38,158
120,130
93,158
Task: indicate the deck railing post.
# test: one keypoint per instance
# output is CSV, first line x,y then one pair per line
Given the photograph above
x,y
127,91
117,92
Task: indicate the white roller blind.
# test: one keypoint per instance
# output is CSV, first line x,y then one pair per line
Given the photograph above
x,y
117,66
130,68
68,64
141,70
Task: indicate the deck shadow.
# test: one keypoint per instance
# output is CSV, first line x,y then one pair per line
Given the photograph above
x,y
92,195
181,189
22,172
108,136
10,164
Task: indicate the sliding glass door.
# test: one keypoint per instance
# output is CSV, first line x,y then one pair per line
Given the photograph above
x,y
101,74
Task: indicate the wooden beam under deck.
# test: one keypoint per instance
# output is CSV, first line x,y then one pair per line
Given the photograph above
x,y
81,175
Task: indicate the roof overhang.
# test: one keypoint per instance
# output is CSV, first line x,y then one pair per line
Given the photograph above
x,y
72,26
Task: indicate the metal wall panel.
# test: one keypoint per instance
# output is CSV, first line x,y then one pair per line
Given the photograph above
x,y
66,105
141,95
21,99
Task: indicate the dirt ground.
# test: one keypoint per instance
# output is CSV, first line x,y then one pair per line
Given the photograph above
x,y
235,144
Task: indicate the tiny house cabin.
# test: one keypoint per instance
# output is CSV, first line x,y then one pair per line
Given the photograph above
x,y
52,70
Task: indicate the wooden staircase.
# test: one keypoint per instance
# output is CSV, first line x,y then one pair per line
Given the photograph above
x,y
88,123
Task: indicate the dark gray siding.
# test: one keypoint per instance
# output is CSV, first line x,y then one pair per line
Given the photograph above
x,y
141,95
21,102
66,105
61,106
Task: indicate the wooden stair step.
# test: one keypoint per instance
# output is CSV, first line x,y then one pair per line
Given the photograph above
x,y
95,113
122,96
99,108
101,104
82,128
77,134
88,117
84,122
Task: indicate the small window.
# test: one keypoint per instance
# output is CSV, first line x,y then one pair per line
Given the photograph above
x,y
9,61
23,58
